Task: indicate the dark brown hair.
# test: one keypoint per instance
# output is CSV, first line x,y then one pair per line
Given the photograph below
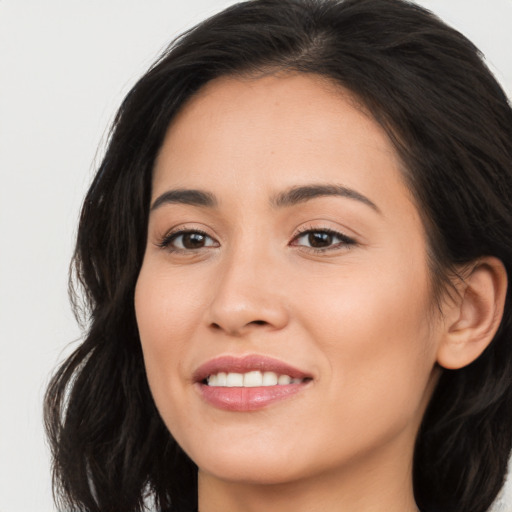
x,y
451,124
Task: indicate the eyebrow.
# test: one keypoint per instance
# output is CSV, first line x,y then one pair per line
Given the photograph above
x,y
301,194
185,196
290,197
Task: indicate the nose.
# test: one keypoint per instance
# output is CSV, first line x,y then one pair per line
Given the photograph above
x,y
248,295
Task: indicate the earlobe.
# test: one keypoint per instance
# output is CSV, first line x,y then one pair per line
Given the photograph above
x,y
474,317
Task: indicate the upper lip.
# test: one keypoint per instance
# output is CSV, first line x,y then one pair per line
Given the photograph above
x,y
236,364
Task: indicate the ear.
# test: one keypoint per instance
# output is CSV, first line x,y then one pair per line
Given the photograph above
x,y
473,317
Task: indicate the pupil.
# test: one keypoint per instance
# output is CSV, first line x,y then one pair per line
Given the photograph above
x,y
193,240
318,239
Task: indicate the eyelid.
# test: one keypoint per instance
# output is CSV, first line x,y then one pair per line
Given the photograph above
x,y
346,241
164,242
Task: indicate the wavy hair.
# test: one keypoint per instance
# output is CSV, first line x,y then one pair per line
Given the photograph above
x,y
451,125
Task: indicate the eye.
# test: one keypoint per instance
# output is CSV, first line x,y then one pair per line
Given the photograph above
x,y
189,240
322,239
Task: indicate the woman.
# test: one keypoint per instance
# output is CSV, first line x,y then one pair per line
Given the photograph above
x,y
295,255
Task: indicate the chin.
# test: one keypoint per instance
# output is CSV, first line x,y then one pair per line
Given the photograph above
x,y
250,465
252,472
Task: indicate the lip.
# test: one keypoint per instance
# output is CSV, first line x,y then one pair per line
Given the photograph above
x,y
246,364
242,399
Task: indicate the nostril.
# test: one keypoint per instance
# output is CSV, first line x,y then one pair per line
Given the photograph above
x,y
235,330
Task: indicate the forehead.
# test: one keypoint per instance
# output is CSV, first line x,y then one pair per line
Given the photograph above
x,y
274,132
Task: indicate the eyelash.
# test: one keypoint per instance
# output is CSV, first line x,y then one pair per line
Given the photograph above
x,y
168,239
345,241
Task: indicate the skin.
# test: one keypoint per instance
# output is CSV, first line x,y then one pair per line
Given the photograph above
x,y
356,316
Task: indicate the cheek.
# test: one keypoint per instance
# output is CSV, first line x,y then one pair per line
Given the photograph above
x,y
373,327
166,317
167,305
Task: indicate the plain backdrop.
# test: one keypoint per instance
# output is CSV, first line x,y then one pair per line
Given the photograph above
x,y
65,65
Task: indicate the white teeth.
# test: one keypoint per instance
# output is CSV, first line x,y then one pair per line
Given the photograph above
x,y
253,379
250,379
284,380
235,380
270,379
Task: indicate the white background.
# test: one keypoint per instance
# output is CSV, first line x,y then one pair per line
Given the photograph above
x,y
65,65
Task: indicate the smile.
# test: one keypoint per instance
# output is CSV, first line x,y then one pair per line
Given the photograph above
x,y
248,383
250,379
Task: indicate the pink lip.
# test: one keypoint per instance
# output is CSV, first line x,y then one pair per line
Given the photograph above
x,y
247,399
246,364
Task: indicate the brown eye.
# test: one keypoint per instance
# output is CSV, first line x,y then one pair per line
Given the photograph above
x,y
322,239
193,240
189,241
319,239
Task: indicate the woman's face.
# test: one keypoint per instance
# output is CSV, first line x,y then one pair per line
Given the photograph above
x,y
283,246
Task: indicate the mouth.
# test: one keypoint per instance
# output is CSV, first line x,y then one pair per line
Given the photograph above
x,y
252,379
248,383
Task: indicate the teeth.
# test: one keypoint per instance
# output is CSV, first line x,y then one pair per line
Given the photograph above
x,y
270,379
250,379
235,380
253,379
283,380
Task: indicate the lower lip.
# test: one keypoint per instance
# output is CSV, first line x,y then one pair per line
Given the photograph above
x,y
248,399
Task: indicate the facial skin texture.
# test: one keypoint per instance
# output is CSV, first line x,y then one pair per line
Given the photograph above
x,y
356,317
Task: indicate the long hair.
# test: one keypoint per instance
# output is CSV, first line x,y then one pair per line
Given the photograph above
x,y
451,125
